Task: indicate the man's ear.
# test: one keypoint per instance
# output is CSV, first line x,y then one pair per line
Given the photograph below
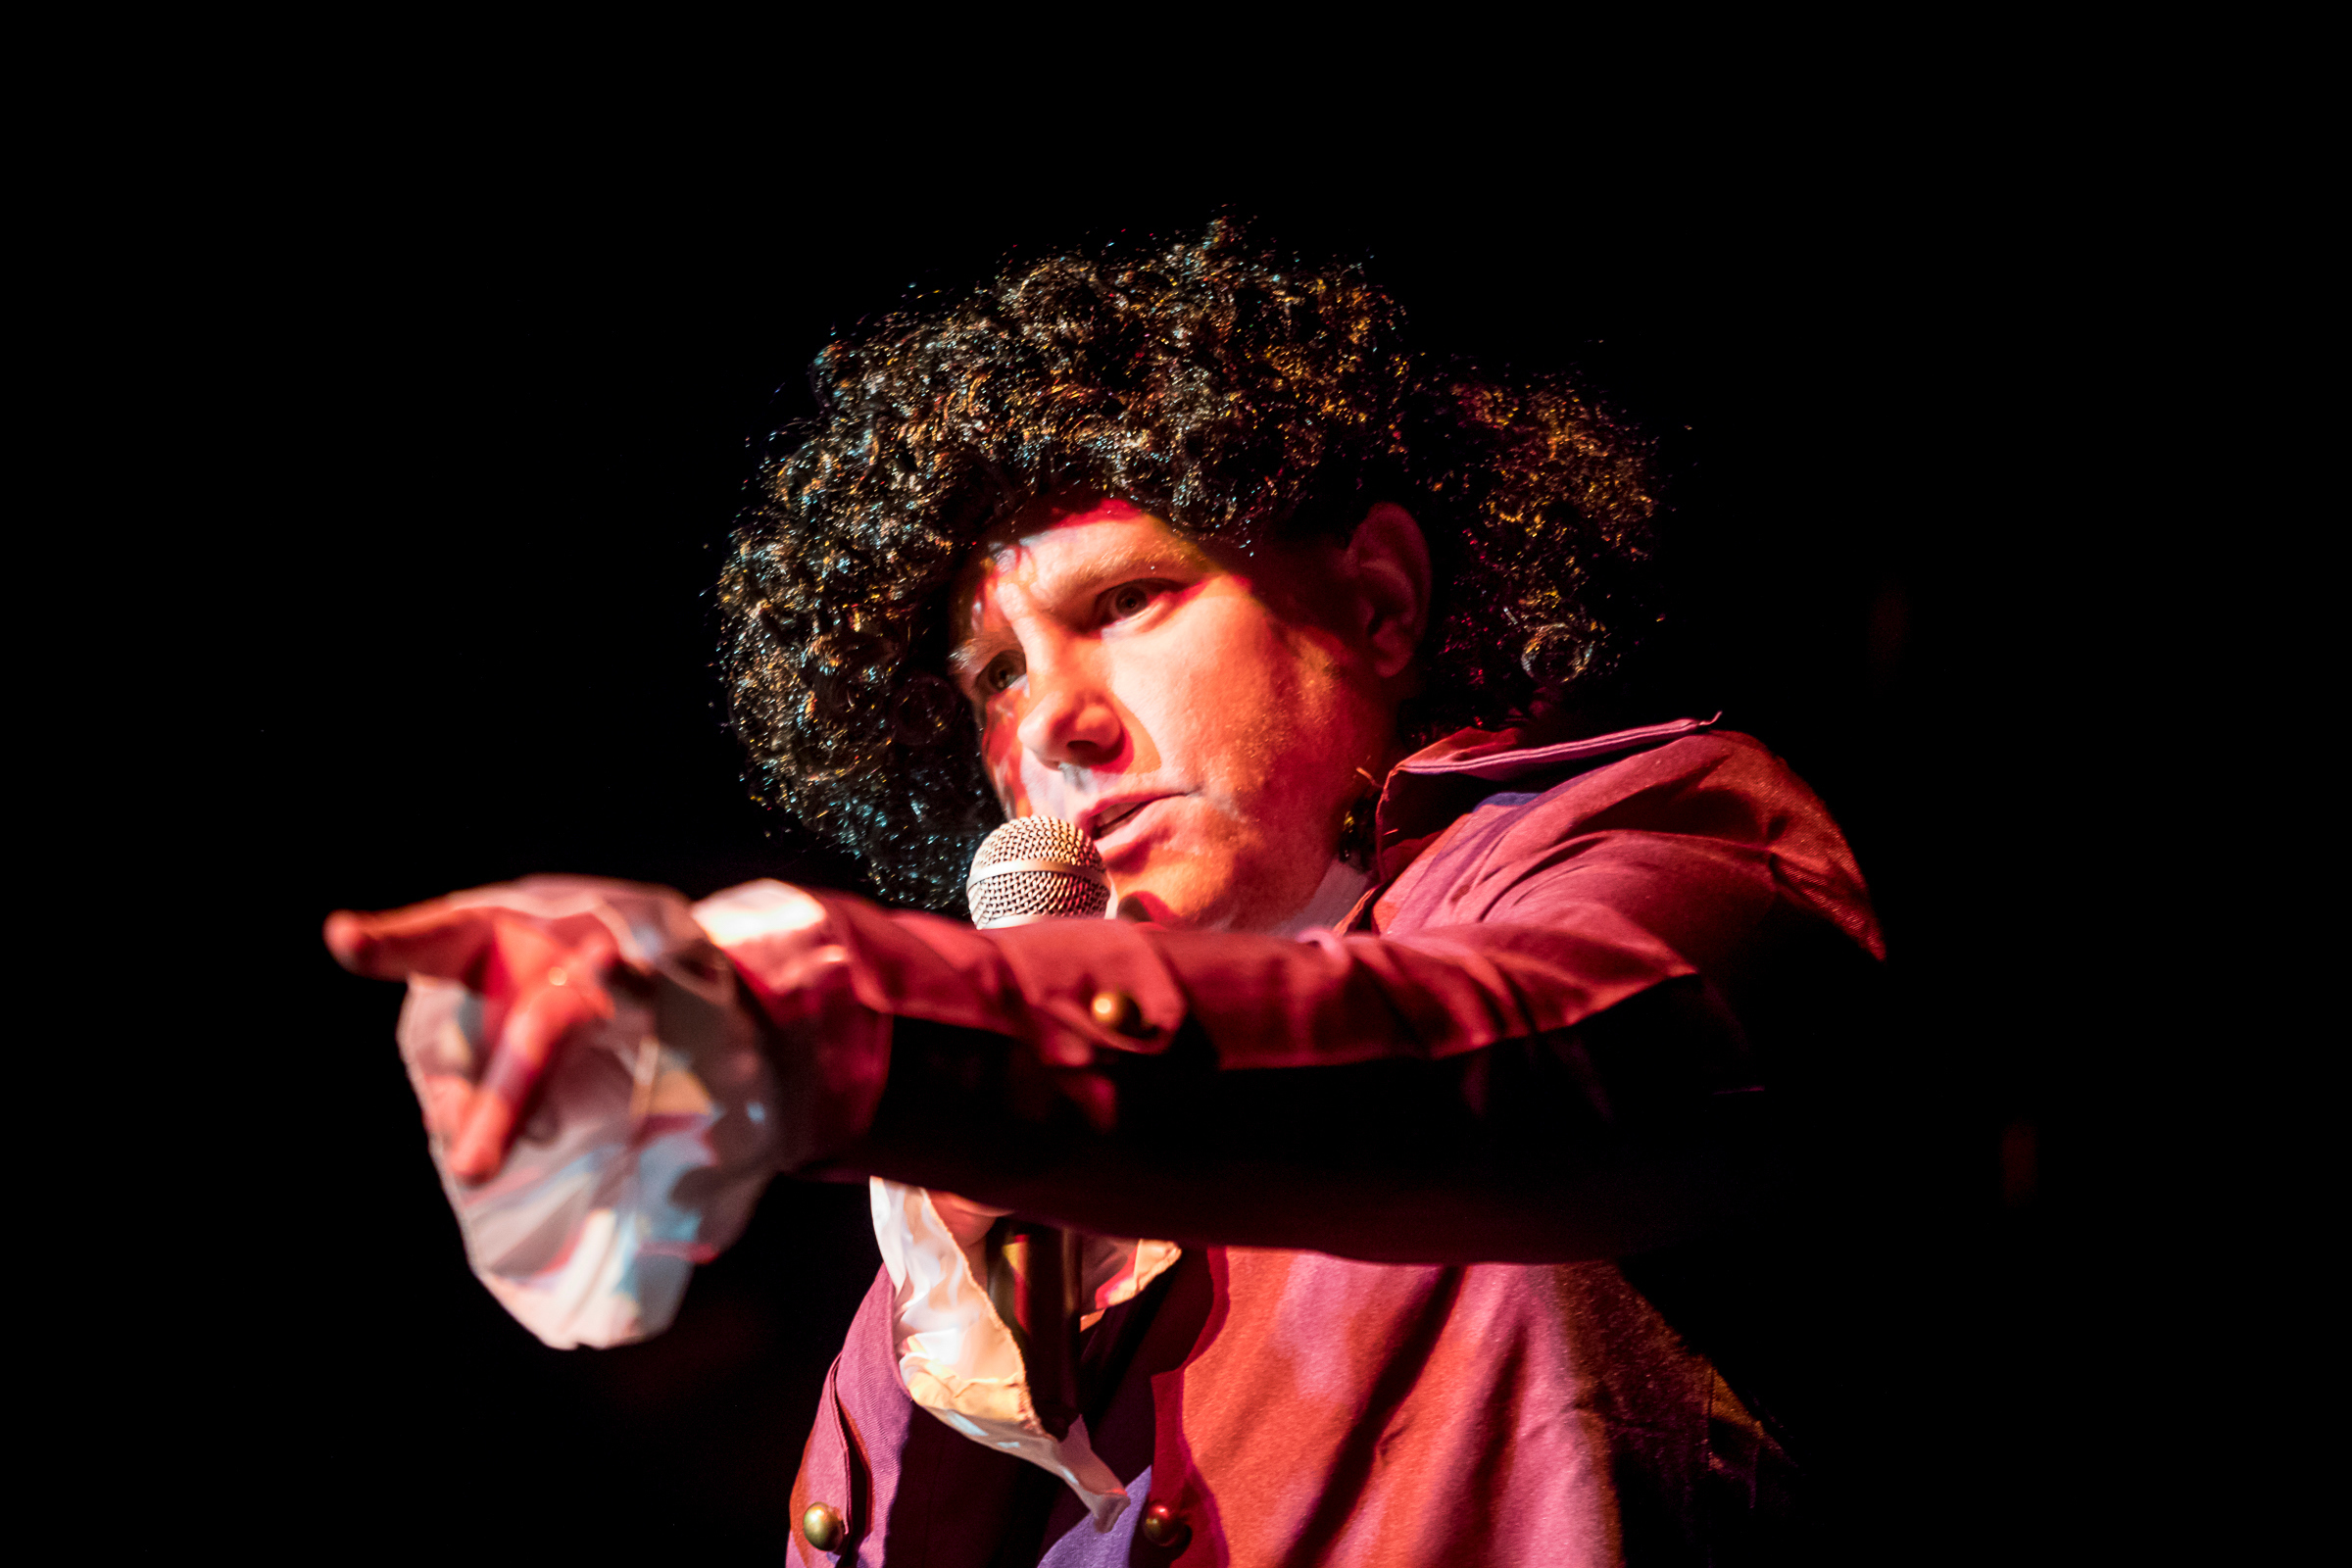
x,y
1387,561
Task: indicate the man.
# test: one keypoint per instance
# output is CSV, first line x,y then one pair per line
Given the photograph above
x,y
1405,1032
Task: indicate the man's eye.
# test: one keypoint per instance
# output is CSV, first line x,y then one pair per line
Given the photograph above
x,y
1001,673
1131,599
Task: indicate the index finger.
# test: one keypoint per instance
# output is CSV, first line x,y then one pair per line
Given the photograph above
x,y
432,938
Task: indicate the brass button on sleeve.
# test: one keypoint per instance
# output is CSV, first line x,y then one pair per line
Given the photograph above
x,y
821,1526
1161,1526
1116,1012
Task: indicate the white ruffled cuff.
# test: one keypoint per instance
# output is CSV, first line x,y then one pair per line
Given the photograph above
x,y
642,1155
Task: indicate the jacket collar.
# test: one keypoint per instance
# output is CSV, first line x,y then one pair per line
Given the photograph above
x,y
1499,757
1427,791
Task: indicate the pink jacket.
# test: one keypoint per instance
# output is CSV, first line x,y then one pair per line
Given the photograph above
x,y
1399,1160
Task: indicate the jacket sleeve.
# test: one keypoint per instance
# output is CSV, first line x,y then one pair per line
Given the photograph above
x,y
1560,1074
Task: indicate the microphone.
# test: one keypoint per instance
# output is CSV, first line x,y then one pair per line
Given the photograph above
x,y
1035,869
1038,868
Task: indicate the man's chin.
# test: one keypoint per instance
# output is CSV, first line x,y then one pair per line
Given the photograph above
x,y
1194,903
1181,902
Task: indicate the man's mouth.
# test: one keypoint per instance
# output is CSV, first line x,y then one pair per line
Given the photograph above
x,y
1104,819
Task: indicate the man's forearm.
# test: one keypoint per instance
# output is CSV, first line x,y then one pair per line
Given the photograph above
x,y
1495,1093
1514,1152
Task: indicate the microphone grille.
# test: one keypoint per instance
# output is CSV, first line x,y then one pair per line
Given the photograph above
x,y
1033,868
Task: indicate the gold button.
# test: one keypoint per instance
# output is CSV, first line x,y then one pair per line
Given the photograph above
x,y
1116,1012
821,1524
1161,1526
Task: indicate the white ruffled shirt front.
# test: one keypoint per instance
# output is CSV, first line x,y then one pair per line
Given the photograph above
x,y
959,1360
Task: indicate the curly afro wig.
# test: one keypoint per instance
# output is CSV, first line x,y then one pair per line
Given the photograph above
x,y
1236,396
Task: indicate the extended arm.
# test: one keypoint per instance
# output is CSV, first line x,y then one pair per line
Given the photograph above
x,y
1556,1080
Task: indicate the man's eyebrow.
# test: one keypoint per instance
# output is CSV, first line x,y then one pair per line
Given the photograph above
x,y
1086,573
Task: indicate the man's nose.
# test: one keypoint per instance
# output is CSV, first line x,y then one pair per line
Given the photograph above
x,y
1071,720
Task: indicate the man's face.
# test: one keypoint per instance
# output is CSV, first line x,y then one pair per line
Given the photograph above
x,y
1201,716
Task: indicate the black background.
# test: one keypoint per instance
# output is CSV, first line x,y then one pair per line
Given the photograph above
x,y
491,426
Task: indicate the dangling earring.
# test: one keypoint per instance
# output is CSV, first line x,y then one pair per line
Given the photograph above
x,y
1358,829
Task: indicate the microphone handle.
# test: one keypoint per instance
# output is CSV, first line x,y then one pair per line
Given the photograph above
x,y
1034,1277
